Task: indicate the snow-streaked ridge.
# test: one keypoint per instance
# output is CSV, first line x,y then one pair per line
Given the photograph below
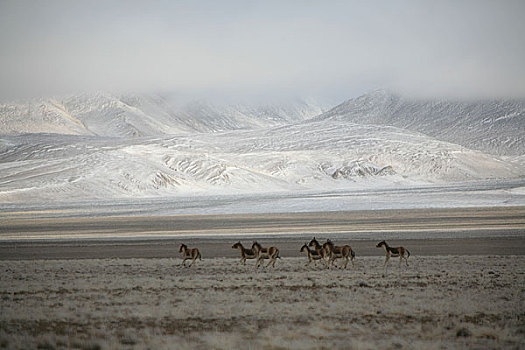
x,y
108,115
313,156
102,147
492,126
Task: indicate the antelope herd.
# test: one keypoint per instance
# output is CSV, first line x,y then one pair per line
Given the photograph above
x,y
327,253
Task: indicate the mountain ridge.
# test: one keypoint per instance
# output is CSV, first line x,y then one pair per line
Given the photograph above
x,y
492,126
107,115
146,146
328,155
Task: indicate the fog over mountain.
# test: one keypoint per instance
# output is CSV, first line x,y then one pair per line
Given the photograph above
x,y
467,48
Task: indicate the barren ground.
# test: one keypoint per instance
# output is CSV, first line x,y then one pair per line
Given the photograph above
x,y
436,302
464,288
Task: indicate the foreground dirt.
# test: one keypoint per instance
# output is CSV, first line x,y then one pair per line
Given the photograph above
x,y
437,302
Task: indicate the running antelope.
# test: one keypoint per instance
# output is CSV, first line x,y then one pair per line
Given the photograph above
x,y
246,253
189,254
394,252
313,255
271,253
344,252
323,253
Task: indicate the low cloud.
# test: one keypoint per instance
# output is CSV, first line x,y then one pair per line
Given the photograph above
x,y
326,49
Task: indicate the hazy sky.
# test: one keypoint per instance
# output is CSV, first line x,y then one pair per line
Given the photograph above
x,y
330,49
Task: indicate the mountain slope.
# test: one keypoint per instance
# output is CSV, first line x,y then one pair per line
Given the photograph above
x,y
144,115
39,116
312,156
496,127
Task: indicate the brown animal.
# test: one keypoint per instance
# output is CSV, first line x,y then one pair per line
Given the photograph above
x,y
394,252
246,253
189,254
312,255
323,253
339,252
271,253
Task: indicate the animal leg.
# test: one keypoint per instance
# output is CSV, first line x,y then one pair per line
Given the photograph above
x,y
333,263
386,259
195,258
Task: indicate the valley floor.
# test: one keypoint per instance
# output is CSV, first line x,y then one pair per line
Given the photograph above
x,y
436,302
124,287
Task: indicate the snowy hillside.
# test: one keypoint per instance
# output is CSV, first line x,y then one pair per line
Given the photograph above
x,y
144,115
93,147
309,156
496,127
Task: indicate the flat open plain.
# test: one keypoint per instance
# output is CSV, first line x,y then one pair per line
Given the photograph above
x,y
117,282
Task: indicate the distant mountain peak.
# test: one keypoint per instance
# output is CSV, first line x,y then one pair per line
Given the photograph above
x,y
492,126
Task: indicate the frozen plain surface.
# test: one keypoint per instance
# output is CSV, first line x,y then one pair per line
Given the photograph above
x,y
485,193
437,302
440,223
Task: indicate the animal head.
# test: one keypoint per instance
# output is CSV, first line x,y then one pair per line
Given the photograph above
x,y
182,248
256,245
304,247
380,244
313,242
237,245
328,243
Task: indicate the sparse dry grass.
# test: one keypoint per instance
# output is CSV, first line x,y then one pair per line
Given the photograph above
x,y
437,302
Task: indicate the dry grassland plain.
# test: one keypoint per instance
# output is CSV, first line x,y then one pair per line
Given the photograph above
x,y
436,302
468,297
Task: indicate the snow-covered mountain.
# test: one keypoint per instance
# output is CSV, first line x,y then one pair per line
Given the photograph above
x,y
314,156
145,115
496,127
99,146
